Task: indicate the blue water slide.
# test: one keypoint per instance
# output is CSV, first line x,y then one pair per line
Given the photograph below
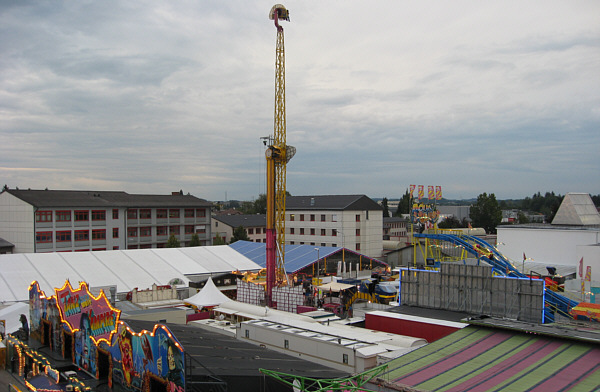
x,y
501,265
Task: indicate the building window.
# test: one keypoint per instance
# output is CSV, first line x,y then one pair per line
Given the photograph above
x,y
302,231
98,215
82,235
323,244
200,213
334,218
201,230
251,231
188,213
358,246
82,216
115,232
358,232
247,333
99,234
292,230
301,217
145,231
173,213
358,217
43,237
115,213
161,230
322,217
174,230
334,232
323,231
189,229
43,216
292,217
312,217
63,236
312,231
132,232
63,216
161,213
345,358
145,213
132,214
116,247
286,344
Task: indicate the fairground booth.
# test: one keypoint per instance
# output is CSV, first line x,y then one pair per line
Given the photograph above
x,y
75,342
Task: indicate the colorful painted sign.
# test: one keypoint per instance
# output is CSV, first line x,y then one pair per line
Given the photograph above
x,y
424,213
138,356
80,310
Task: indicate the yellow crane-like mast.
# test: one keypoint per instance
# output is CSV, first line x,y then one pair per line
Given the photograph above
x,y
278,154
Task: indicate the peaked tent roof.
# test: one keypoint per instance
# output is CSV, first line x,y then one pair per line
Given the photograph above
x,y
256,220
476,358
127,269
577,209
296,256
210,295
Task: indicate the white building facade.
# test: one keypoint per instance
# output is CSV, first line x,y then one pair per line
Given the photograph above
x,y
38,221
354,222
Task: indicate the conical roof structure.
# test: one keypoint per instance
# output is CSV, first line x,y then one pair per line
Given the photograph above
x,y
577,209
210,295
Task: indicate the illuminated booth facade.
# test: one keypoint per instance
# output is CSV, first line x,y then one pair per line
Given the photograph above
x,y
85,331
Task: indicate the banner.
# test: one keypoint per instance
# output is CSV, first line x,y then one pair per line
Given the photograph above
x,y
412,190
421,193
430,192
581,268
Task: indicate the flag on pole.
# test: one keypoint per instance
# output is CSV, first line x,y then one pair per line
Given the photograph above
x,y
430,192
421,192
581,268
438,192
412,190
588,273
524,257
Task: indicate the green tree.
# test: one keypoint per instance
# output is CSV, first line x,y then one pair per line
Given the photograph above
x,y
218,240
260,205
173,242
522,218
449,223
239,234
486,213
384,204
403,204
195,240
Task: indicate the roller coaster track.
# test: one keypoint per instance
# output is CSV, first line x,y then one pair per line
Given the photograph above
x,y
554,303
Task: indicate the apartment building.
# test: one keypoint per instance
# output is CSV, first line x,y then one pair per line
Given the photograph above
x,y
254,225
37,221
354,222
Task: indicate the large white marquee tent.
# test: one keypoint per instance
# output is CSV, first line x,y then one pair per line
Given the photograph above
x,y
127,269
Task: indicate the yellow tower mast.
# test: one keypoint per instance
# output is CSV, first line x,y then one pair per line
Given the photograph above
x,y
278,154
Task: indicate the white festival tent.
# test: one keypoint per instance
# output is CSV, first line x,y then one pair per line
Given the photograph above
x,y
210,295
125,269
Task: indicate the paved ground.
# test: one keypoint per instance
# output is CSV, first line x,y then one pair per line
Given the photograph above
x,y
7,378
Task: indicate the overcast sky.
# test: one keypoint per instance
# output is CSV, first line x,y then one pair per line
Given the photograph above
x,y
151,97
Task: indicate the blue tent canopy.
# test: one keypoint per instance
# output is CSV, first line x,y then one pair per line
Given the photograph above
x,y
297,257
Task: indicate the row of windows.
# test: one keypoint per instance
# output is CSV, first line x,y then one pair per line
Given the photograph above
x,y
164,213
312,217
78,215
323,232
100,215
78,235
258,230
161,231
